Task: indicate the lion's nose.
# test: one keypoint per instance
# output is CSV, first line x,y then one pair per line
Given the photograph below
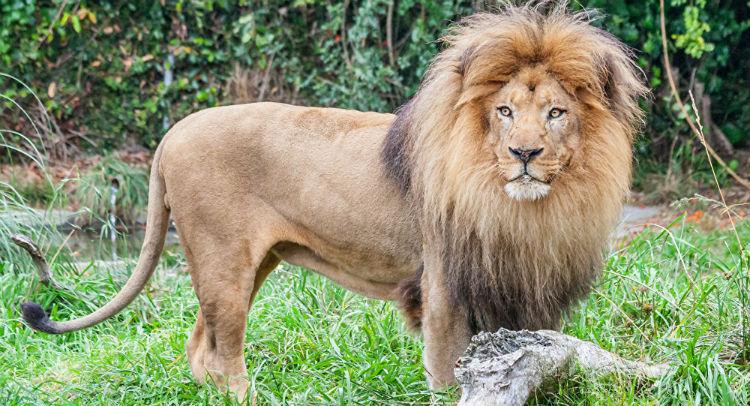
x,y
524,154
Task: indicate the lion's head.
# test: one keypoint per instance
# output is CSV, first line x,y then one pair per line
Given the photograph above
x,y
517,150
534,132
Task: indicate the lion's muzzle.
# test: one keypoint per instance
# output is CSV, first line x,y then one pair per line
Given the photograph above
x,y
527,187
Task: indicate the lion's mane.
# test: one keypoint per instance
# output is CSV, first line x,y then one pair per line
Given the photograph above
x,y
508,263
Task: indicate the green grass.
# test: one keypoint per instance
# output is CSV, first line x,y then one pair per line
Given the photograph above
x,y
677,296
308,342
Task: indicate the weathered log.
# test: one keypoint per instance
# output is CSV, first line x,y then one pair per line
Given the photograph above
x,y
508,367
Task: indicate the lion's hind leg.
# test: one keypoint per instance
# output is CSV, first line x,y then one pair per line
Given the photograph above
x,y
226,284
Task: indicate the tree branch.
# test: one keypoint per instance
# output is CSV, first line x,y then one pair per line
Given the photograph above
x,y
389,34
45,276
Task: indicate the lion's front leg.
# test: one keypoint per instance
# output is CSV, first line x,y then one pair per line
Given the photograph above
x,y
445,328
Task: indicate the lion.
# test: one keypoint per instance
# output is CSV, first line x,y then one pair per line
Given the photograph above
x,y
486,201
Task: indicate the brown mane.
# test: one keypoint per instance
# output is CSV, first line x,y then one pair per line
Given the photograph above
x,y
508,263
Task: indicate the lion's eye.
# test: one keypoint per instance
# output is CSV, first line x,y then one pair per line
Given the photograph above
x,y
505,111
556,113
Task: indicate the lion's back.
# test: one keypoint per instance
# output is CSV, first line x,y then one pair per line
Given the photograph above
x,y
257,119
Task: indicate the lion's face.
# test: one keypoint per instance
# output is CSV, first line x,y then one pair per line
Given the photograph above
x,y
534,131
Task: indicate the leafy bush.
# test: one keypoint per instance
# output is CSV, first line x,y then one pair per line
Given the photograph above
x,y
706,49
102,64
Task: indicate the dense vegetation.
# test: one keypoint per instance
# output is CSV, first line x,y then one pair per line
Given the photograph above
x,y
100,66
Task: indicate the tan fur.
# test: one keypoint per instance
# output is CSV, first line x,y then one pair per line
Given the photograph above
x,y
366,203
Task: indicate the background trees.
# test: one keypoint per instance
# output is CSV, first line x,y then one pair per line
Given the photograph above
x,y
102,65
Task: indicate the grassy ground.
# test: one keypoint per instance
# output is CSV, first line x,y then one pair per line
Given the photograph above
x,y
674,296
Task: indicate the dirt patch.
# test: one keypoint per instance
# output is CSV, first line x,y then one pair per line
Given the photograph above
x,y
707,213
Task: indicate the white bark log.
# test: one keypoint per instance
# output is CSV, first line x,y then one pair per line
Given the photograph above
x,y
506,368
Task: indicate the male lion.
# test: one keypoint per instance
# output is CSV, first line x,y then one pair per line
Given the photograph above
x,y
487,200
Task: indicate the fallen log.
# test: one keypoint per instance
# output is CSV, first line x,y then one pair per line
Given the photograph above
x,y
508,367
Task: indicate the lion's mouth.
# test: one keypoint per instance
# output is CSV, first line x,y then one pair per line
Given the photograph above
x,y
526,187
526,177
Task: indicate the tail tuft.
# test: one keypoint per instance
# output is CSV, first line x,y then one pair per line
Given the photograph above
x,y
410,300
37,318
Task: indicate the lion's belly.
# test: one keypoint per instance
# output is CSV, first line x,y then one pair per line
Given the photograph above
x,y
374,279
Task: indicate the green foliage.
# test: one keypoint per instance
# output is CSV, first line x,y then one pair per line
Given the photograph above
x,y
102,63
707,47
692,40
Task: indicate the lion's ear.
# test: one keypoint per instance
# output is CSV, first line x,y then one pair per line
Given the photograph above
x,y
474,92
622,85
464,60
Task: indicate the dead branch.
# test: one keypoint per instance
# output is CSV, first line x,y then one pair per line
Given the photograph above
x,y
508,367
52,24
712,131
389,34
343,34
266,77
45,276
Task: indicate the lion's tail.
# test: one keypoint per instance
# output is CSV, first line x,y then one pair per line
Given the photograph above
x,y
156,230
410,299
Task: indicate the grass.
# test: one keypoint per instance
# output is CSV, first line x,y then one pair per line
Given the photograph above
x,y
675,296
309,342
